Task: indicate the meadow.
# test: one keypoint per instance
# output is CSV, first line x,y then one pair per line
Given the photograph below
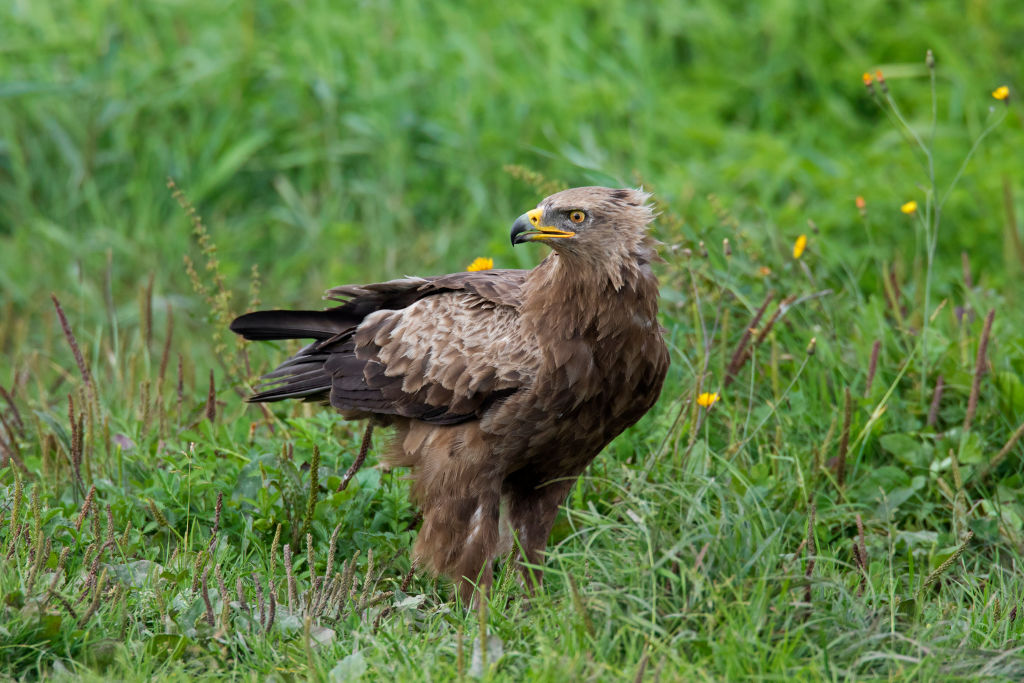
x,y
830,486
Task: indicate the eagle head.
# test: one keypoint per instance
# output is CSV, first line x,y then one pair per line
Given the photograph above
x,y
582,218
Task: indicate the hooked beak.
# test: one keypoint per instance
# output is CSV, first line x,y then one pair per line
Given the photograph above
x,y
527,228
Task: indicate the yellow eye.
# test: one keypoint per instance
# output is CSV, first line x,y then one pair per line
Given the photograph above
x,y
577,216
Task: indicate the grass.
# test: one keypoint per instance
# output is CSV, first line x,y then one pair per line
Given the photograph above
x,y
849,508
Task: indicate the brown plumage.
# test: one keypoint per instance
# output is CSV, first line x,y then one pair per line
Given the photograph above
x,y
502,385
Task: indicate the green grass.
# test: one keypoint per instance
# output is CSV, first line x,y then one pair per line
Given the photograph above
x,y
327,144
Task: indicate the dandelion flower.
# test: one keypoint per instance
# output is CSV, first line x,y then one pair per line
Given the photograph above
x,y
1002,93
799,246
869,84
708,399
880,79
480,263
909,208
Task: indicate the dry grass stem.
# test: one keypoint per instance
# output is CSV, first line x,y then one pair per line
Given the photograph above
x,y
293,596
965,265
273,549
240,594
165,354
83,512
15,414
1001,455
408,577
364,449
844,438
206,598
260,603
364,596
642,667
933,409
94,604
862,555
314,492
272,613
979,370
811,549
739,355
83,369
938,571
211,401
872,367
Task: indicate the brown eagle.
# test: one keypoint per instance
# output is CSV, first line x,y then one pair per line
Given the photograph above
x,y
502,384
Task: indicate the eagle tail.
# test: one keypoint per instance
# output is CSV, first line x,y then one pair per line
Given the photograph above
x,y
265,325
303,375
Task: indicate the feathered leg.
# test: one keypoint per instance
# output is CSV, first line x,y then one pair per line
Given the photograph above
x,y
532,510
459,493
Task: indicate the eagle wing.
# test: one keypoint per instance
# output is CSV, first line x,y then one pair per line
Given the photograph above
x,y
438,349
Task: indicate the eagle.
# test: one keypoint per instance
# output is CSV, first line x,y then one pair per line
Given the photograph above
x,y
501,385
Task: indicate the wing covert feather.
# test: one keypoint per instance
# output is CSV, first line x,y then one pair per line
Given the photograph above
x,y
453,351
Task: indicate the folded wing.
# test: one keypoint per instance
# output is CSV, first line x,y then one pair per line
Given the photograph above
x,y
440,349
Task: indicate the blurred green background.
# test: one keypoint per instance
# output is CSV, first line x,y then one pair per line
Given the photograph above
x,y
334,142
359,141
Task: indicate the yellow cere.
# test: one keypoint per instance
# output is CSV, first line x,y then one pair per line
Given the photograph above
x,y
480,263
708,399
534,216
909,208
1001,93
799,246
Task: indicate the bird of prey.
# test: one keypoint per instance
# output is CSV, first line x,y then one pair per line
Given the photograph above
x,y
502,385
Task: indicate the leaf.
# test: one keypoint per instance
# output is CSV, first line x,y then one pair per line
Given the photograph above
x,y
1012,390
907,449
495,649
288,624
916,538
886,478
971,451
134,574
166,645
351,668
101,653
410,602
322,635
229,162
892,501
985,529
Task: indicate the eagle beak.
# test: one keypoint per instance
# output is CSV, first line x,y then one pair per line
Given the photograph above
x,y
527,228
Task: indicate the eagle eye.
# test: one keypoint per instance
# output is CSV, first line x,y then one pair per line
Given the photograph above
x,y
577,216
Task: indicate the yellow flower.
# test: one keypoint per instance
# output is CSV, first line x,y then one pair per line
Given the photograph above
x,y
799,246
1001,93
480,263
866,78
909,208
707,399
